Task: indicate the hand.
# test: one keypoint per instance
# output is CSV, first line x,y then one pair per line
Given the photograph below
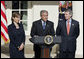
x,y
21,47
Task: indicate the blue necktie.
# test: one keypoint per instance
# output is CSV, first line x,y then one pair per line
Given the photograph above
x,y
44,24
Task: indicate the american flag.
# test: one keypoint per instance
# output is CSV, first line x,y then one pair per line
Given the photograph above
x,y
4,31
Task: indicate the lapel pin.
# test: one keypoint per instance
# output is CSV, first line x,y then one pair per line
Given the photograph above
x,y
72,24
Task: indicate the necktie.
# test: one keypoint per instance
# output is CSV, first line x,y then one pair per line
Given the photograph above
x,y
44,25
68,28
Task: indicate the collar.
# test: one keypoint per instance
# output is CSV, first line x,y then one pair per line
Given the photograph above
x,y
43,20
69,20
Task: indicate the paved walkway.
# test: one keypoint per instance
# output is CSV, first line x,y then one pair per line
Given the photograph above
x,y
31,56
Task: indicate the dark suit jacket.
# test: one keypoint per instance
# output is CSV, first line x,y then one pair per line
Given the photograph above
x,y
68,41
37,29
17,36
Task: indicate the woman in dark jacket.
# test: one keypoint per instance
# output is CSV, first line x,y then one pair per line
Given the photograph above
x,y
17,37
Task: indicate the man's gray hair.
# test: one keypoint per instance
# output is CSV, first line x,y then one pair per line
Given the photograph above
x,y
43,11
70,12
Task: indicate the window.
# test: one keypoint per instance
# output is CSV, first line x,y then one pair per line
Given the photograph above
x,y
21,7
15,4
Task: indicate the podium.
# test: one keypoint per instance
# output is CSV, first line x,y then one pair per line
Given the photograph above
x,y
46,42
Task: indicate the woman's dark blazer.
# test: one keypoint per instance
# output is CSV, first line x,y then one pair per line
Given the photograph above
x,y
17,36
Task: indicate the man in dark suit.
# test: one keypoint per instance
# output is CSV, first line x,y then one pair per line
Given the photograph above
x,y
42,27
69,30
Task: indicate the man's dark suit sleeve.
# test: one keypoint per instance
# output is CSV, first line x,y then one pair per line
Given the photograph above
x,y
58,30
52,29
77,30
33,30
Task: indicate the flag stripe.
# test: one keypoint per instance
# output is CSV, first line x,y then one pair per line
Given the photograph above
x,y
3,20
3,4
4,16
4,30
4,27
2,7
4,39
5,34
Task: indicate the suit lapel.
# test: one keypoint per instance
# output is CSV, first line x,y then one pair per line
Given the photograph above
x,y
46,28
40,25
65,27
72,23
46,25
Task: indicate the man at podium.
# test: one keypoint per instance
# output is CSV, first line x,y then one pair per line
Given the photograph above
x,y
42,27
